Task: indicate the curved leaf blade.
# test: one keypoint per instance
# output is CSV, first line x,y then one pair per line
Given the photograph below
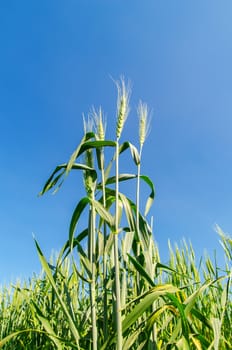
x,y
75,217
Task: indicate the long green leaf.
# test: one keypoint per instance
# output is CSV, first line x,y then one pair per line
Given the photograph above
x,y
9,337
181,309
65,251
146,179
104,214
145,303
61,170
86,145
47,326
141,270
152,194
74,265
76,153
133,149
52,180
75,217
45,266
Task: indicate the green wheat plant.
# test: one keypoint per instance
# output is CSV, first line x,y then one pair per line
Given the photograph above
x,y
188,310
194,313
107,288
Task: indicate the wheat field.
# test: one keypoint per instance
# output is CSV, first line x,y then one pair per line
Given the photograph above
x,y
108,288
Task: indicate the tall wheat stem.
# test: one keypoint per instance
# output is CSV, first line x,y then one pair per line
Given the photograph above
x,y
100,127
93,270
116,258
154,328
138,245
143,129
122,113
90,185
105,299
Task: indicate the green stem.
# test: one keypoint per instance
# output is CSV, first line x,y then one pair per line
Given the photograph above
x,y
138,245
116,258
105,299
154,331
92,245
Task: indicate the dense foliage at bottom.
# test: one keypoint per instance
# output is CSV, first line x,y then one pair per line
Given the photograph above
x,y
182,305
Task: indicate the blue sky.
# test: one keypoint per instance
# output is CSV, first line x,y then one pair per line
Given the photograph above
x,y
55,63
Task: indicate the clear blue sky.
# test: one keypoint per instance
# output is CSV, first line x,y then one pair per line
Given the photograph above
x,y
56,59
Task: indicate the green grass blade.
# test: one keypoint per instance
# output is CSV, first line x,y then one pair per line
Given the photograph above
x,y
52,180
151,195
141,270
104,214
133,150
47,270
60,171
181,309
76,153
47,326
145,303
9,337
75,217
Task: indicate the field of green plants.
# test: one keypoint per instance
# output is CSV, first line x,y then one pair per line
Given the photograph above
x,y
108,288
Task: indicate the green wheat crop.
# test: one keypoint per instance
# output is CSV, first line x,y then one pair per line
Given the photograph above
x,y
107,288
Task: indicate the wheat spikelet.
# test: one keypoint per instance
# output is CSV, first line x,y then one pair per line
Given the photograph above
x,y
122,105
99,123
144,122
89,182
87,124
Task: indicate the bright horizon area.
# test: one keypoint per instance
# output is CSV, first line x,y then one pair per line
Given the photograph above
x,y
56,62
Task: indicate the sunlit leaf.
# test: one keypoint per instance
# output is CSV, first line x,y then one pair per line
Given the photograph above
x,y
141,270
75,217
45,266
145,303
